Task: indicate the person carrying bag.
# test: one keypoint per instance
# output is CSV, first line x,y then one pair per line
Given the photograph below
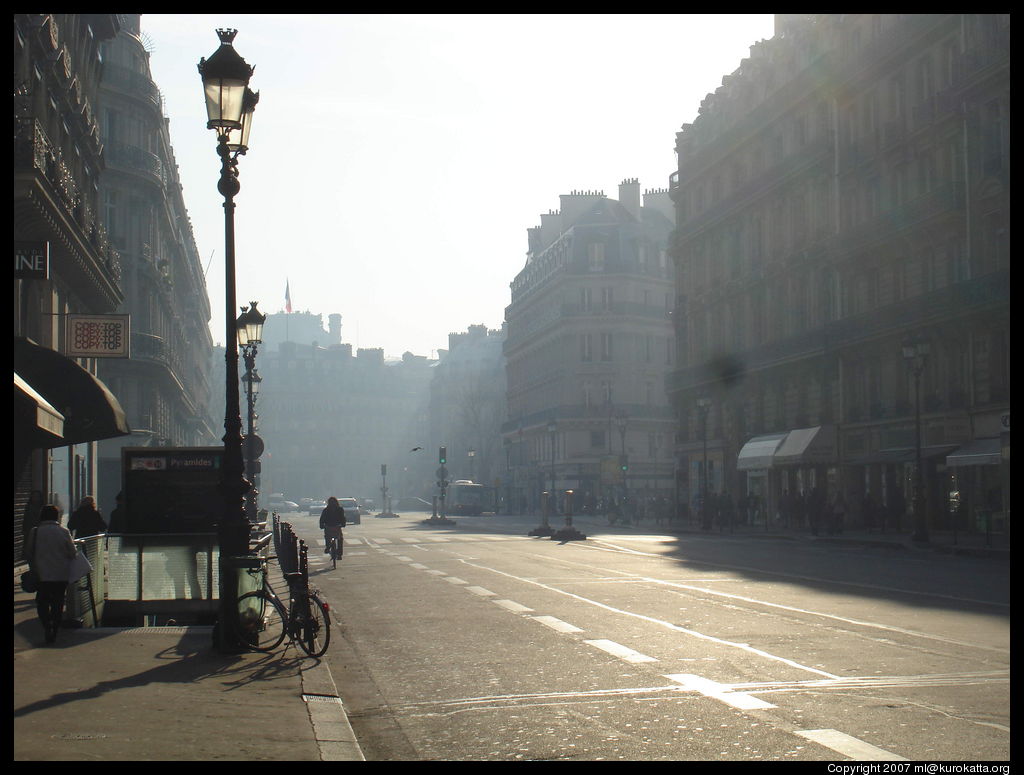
x,y
51,551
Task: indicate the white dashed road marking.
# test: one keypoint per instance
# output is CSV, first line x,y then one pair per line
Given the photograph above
x,y
556,624
849,746
718,691
514,607
620,651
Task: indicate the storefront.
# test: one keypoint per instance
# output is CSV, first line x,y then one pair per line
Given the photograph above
x,y
57,404
756,460
976,486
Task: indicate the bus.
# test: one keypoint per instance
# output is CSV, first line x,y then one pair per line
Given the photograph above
x,y
468,499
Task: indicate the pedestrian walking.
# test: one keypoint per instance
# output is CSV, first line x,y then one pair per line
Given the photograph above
x,y
50,552
86,520
118,517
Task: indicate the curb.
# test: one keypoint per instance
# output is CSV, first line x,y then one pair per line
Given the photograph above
x,y
331,728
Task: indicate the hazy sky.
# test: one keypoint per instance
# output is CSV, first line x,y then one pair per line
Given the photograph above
x,y
396,161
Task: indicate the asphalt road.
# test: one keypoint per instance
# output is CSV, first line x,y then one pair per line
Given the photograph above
x,y
478,642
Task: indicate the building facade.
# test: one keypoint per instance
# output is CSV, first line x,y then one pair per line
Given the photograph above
x,y
64,263
589,342
467,407
165,386
843,194
330,418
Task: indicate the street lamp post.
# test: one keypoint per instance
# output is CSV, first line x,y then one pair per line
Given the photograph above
x,y
552,429
229,106
620,421
704,406
548,499
250,336
915,353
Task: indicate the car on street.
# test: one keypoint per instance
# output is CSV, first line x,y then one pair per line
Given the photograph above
x,y
351,506
283,507
314,507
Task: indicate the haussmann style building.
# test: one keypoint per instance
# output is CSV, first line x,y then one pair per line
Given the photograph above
x,y
589,343
843,275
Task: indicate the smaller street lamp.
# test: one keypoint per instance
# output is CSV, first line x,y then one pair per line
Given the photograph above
x,y
915,352
249,326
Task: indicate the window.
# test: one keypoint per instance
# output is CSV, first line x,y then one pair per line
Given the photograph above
x,y
607,296
597,440
606,346
587,353
596,256
585,299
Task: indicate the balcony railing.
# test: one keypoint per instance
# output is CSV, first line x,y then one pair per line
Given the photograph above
x,y
34,153
133,157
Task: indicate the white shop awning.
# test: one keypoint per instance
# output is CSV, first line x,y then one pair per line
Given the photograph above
x,y
759,452
808,446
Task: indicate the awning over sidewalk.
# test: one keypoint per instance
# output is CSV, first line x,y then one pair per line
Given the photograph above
x,y
34,417
90,410
808,446
980,452
759,452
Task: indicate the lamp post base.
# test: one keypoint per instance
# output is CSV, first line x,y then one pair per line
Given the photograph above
x,y
568,533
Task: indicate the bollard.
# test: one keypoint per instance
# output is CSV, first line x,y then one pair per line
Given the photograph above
x,y
568,533
544,529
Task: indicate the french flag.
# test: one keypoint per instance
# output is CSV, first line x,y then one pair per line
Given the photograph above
x,y
287,297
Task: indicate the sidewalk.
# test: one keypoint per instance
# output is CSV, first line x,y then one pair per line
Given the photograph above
x,y
165,693
995,546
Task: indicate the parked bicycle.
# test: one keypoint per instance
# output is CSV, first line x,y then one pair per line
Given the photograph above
x,y
263,621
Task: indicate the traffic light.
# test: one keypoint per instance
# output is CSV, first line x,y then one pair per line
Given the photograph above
x,y
624,463
442,455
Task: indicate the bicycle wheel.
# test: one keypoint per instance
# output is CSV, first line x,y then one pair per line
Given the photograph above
x,y
311,625
334,552
261,621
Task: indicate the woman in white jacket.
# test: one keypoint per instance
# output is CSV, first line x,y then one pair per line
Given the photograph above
x,y
50,550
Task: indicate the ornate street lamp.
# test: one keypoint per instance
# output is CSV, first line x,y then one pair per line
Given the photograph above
x,y
915,353
225,78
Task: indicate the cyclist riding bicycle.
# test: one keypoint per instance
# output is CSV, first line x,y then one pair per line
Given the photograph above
x,y
332,520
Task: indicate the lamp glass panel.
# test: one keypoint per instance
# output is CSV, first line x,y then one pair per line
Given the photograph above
x,y
224,102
